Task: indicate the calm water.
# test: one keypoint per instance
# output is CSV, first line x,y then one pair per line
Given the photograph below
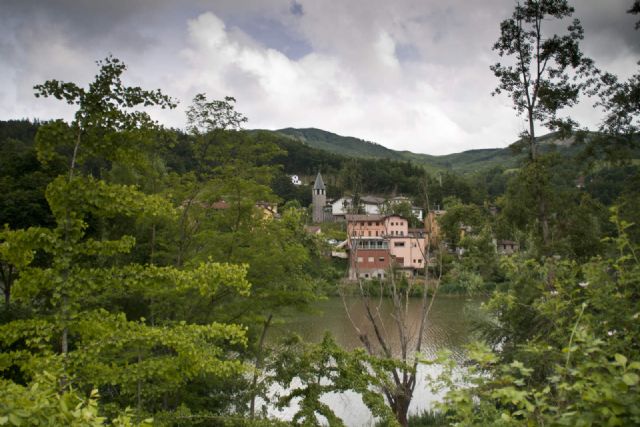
x,y
447,328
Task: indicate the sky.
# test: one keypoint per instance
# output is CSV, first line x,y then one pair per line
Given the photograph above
x,y
408,74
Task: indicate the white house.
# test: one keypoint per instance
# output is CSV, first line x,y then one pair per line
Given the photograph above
x,y
371,205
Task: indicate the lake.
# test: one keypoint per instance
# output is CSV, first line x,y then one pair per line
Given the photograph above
x,y
448,327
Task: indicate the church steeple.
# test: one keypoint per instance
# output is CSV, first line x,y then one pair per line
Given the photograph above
x,y
319,199
319,184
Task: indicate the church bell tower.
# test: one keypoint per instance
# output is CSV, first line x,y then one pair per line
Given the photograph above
x,y
319,199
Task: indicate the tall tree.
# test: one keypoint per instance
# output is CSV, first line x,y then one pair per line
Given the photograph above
x,y
546,74
543,75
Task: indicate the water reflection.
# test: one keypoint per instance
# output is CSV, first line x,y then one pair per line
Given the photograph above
x,y
447,328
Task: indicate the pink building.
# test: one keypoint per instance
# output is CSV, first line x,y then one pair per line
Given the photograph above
x,y
377,242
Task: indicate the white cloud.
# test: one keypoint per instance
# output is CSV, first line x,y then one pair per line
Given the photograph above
x,y
351,80
323,90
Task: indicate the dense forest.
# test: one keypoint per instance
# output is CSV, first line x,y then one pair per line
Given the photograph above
x,y
141,271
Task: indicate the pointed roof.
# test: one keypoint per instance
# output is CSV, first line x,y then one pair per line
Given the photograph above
x,y
319,184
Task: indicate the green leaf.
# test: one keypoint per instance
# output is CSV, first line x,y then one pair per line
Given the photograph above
x,y
15,420
630,378
621,360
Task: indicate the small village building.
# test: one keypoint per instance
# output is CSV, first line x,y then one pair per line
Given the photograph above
x,y
378,242
337,210
417,211
372,205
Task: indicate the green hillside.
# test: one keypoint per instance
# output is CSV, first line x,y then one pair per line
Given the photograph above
x,y
343,145
465,162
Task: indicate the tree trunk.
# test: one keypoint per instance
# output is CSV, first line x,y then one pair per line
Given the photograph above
x,y
400,409
533,151
259,360
153,244
6,275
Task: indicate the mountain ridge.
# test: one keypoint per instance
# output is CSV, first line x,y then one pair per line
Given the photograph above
x,y
468,161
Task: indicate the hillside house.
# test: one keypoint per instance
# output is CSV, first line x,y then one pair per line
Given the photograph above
x,y
417,212
371,205
378,242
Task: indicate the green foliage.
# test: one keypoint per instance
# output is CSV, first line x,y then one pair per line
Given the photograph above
x,y
567,338
595,389
543,205
40,404
468,161
76,275
541,78
460,215
326,368
427,419
459,280
22,178
106,123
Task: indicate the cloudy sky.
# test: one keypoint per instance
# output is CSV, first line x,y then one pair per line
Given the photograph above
x,y
408,74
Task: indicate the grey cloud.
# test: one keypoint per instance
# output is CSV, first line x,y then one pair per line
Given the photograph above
x,y
408,73
296,8
273,34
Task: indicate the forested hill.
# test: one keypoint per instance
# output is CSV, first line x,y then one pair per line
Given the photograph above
x,y
464,162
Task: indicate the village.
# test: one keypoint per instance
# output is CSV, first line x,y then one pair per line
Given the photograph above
x,y
379,241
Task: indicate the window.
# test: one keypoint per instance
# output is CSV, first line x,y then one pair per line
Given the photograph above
x,y
381,259
359,259
366,275
370,259
420,261
380,275
369,223
369,232
376,232
398,244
